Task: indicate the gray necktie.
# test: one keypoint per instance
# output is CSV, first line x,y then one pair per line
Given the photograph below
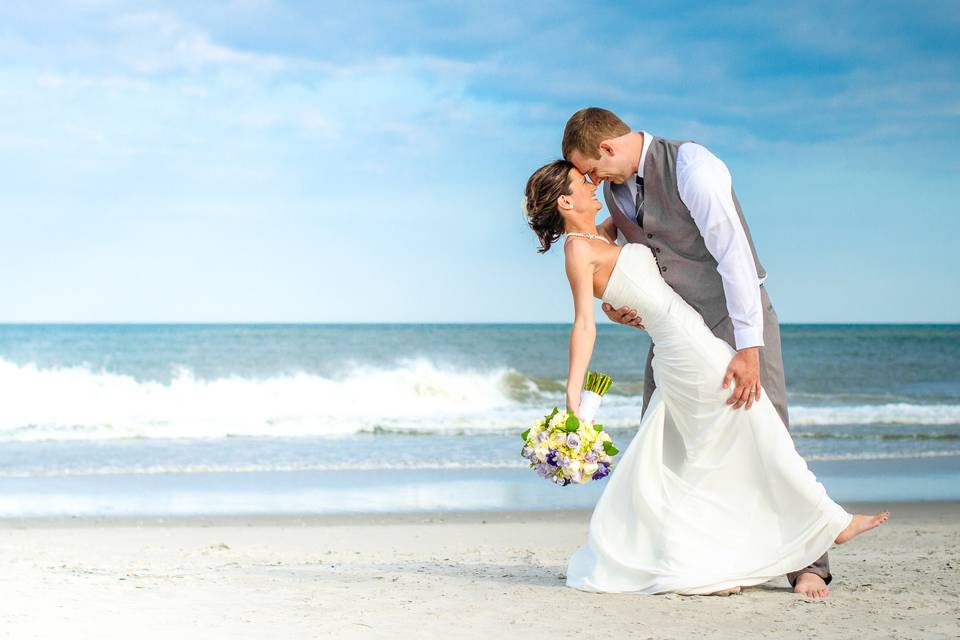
x,y
639,204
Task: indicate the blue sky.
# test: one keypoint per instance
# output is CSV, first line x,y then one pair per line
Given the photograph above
x,y
364,162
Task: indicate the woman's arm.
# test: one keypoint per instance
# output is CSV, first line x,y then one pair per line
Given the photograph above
x,y
584,332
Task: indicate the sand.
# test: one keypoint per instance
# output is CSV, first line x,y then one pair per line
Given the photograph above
x,y
480,575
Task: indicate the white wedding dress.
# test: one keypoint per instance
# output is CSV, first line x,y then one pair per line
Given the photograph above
x,y
705,497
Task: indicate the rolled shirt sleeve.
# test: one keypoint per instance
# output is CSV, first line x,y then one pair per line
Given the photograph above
x,y
705,186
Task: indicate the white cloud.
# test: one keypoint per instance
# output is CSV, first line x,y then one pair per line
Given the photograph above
x,y
156,42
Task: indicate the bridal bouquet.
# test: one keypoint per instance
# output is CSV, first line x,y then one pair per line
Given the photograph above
x,y
567,450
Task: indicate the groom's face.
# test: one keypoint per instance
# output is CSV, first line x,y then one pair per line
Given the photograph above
x,y
609,166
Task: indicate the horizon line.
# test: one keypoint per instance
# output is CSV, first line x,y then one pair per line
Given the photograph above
x,y
425,323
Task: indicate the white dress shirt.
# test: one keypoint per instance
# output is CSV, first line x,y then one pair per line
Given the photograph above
x,y
705,187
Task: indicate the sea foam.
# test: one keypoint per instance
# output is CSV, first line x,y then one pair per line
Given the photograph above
x,y
415,396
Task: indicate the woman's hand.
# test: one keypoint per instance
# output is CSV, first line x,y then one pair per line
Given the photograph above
x,y
573,402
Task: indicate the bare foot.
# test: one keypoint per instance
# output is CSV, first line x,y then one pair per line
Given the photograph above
x,y
727,592
859,524
812,586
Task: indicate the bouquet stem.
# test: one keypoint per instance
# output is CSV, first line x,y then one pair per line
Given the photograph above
x,y
589,404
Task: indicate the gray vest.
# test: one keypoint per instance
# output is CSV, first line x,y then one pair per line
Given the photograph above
x,y
670,231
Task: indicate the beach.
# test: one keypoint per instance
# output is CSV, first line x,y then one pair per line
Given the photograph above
x,y
456,574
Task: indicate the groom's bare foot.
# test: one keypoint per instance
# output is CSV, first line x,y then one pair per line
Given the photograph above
x,y
812,586
727,592
860,524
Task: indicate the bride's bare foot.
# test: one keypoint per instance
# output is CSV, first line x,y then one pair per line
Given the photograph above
x,y
812,586
859,524
727,592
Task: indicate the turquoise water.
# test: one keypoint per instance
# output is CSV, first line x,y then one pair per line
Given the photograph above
x,y
92,410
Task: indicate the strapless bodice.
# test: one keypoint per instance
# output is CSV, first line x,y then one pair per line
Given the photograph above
x,y
636,282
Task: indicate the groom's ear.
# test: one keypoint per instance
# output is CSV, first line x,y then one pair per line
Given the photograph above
x,y
606,147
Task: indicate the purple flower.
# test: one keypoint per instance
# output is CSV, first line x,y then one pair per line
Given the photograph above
x,y
545,470
602,470
573,440
590,457
552,457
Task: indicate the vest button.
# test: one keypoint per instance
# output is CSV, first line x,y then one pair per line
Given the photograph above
x,y
664,269
657,249
649,235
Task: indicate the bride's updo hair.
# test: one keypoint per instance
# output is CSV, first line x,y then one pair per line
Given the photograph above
x,y
547,183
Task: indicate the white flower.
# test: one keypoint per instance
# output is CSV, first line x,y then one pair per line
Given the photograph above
x,y
590,468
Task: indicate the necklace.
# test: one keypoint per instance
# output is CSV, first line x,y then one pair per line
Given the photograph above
x,y
588,236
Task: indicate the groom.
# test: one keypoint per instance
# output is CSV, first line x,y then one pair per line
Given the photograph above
x,y
677,198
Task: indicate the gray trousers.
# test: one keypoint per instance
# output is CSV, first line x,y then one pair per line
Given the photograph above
x,y
773,383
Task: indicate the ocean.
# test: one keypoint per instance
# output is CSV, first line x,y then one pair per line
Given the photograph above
x,y
260,419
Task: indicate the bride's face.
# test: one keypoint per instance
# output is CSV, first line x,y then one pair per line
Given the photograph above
x,y
583,196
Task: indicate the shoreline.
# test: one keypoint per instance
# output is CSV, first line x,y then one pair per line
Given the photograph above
x,y
925,509
346,494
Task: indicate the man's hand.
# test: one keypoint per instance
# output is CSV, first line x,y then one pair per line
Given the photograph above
x,y
744,370
623,315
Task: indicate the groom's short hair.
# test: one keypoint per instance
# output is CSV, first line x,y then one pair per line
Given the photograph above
x,y
587,128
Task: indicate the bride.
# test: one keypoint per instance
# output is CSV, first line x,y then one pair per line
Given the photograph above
x,y
706,498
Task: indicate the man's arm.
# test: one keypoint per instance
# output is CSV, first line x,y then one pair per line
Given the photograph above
x,y
705,186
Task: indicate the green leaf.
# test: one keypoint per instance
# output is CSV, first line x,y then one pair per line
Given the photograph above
x,y
525,434
598,428
552,413
609,449
572,424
